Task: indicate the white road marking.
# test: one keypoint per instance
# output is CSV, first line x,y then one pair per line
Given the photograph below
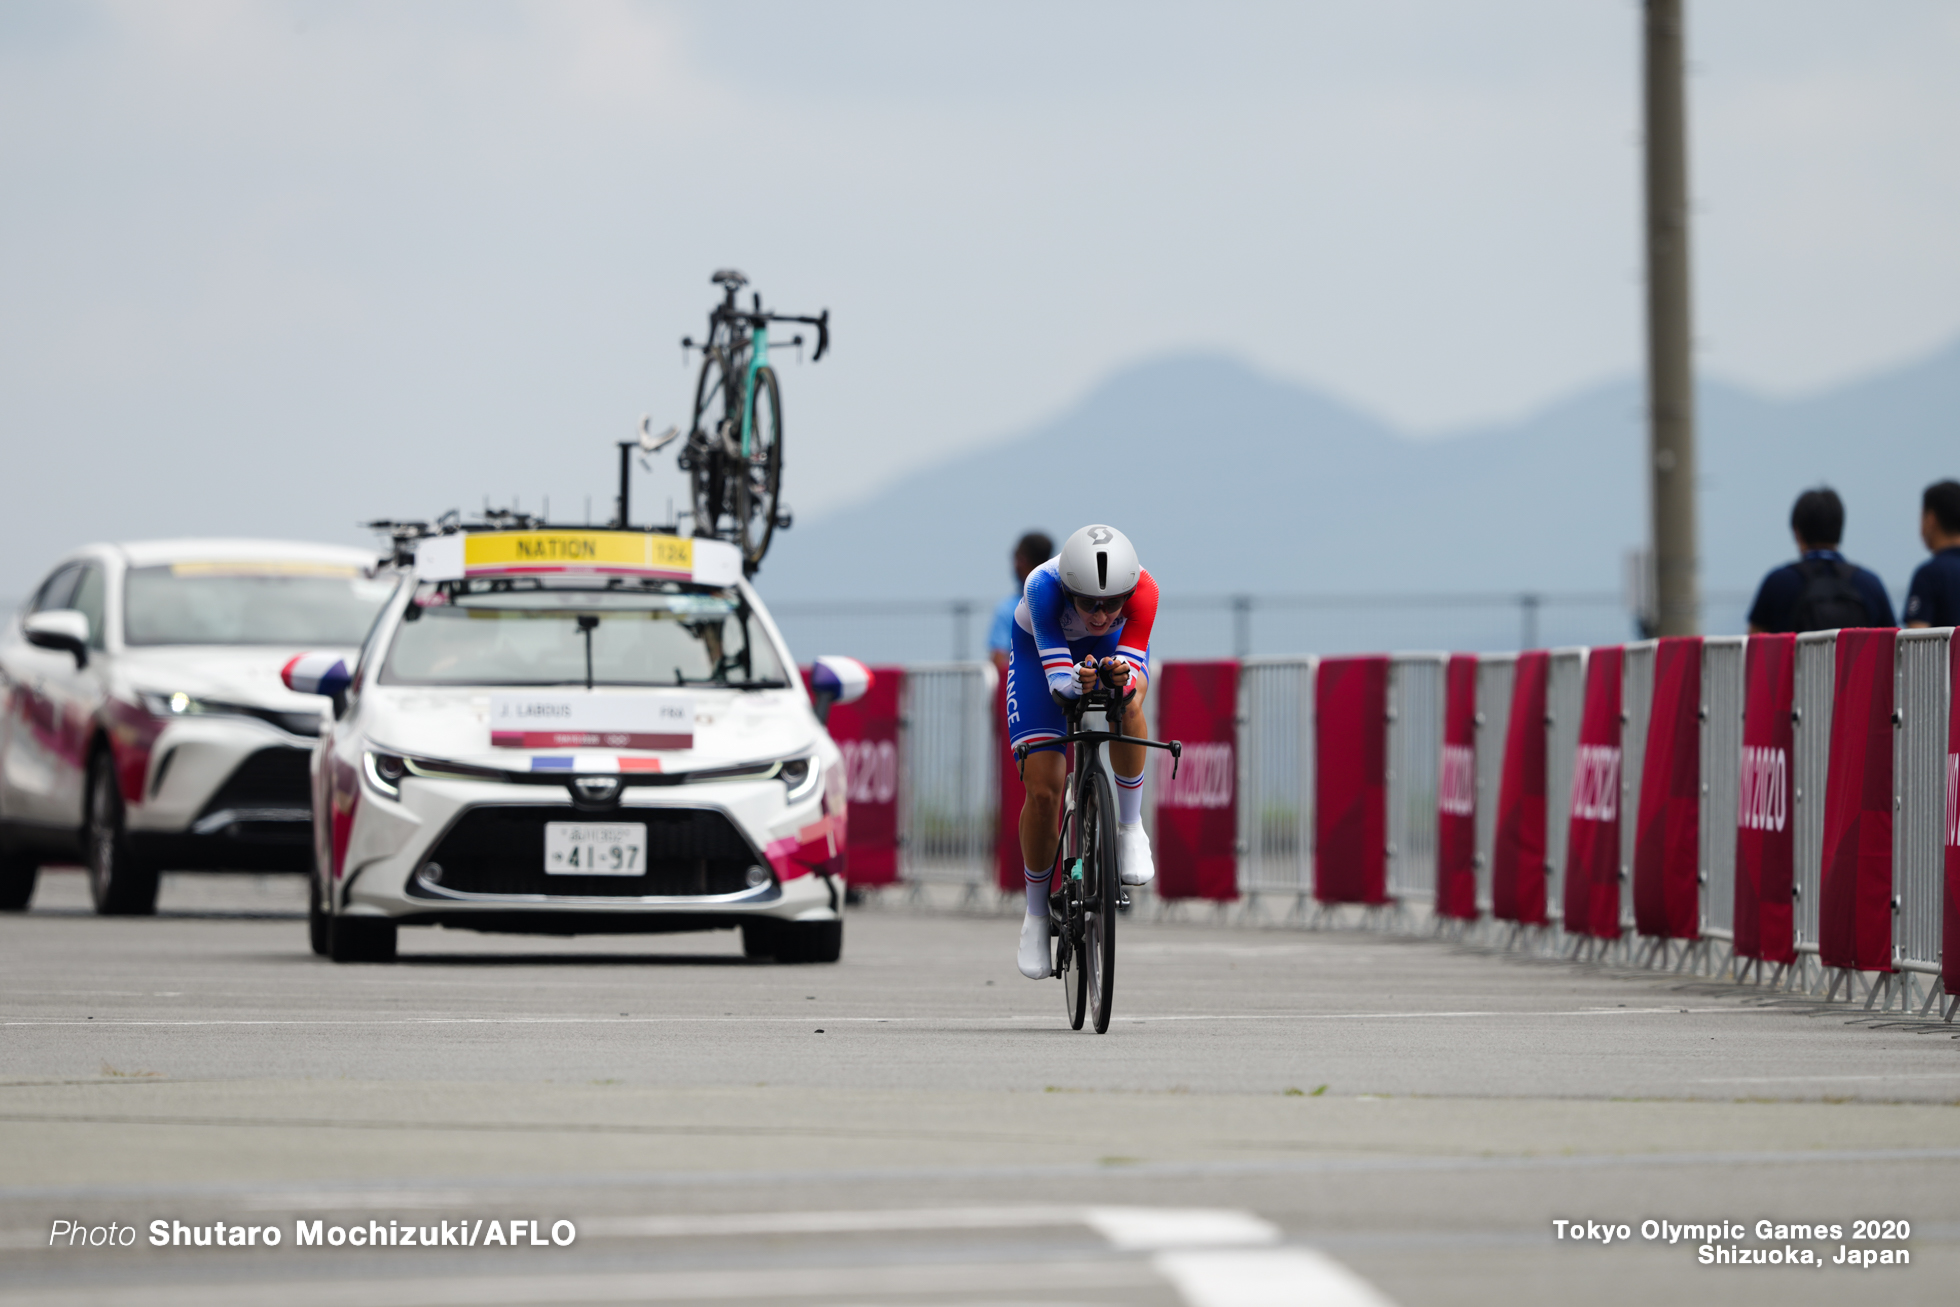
x,y
1153,1228
1782,1080
963,1022
1267,1277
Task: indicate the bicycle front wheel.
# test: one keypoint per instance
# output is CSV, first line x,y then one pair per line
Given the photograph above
x,y
759,478
1099,894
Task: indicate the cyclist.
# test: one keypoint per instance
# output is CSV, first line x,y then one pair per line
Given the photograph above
x,y
1088,608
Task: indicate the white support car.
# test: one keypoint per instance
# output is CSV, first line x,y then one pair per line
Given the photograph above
x,y
572,731
145,727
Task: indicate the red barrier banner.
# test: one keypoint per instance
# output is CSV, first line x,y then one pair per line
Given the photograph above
x,y
1667,829
1456,793
1854,927
1950,934
867,732
1517,869
1765,848
1350,810
1592,875
1197,844
1008,870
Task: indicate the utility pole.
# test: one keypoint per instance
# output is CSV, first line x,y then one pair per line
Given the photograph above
x,y
1670,364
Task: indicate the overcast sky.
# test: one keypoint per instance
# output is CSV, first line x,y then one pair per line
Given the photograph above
x,y
278,266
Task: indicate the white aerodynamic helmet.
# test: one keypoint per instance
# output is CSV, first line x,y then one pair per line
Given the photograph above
x,y
1099,562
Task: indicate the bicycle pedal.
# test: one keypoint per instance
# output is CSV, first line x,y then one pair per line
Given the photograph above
x,y
1123,902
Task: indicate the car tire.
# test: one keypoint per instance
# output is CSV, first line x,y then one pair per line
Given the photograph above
x,y
120,883
18,871
810,941
319,926
360,939
759,939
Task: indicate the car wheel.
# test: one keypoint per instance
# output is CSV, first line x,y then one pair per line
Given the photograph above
x,y
319,925
18,870
121,884
360,939
810,941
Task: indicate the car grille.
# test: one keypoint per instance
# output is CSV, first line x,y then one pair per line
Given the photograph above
x,y
500,850
272,786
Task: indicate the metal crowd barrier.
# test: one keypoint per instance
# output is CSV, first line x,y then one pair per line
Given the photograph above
x,y
949,776
1565,706
1275,772
1921,705
1723,693
1495,675
1636,713
1810,749
1415,754
948,801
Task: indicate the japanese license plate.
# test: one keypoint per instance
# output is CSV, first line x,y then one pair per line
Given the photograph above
x,y
583,848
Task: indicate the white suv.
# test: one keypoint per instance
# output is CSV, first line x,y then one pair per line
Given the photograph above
x,y
146,727
570,731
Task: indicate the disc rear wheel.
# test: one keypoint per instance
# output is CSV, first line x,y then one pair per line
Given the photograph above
x,y
705,454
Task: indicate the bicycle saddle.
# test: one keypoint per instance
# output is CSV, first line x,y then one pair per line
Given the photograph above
x,y
728,277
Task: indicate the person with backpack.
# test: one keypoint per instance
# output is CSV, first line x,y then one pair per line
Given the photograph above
x,y
1822,590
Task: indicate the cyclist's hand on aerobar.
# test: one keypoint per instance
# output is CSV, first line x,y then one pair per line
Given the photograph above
x,y
1116,670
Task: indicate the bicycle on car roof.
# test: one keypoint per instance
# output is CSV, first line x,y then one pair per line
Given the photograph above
x,y
734,450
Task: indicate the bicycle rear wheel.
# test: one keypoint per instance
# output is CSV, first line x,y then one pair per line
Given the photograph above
x,y
703,455
1099,894
757,484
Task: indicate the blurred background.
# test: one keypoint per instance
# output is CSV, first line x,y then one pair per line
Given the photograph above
x,y
1337,307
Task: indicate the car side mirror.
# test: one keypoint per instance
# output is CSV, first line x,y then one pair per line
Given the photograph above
x,y
319,673
835,679
65,629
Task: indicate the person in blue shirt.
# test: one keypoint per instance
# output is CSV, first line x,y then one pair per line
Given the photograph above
x,y
1822,590
1934,599
1030,552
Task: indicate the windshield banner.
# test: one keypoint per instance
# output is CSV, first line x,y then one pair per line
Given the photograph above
x,y
578,719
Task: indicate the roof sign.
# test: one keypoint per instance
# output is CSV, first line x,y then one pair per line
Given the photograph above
x,y
577,553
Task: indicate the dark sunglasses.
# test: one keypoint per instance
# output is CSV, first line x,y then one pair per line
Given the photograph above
x,y
1113,604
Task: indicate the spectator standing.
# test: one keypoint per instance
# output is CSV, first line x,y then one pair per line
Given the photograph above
x,y
1030,552
1934,599
1822,590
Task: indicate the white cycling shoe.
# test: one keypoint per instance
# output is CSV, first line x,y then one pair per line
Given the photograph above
x,y
1133,862
1034,955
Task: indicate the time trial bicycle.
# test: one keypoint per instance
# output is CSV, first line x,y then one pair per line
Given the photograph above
x,y
734,450
1086,890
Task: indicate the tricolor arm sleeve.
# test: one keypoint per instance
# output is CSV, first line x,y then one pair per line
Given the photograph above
x,y
1139,615
1045,598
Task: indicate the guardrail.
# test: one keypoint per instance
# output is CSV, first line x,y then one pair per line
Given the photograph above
x,y
1709,759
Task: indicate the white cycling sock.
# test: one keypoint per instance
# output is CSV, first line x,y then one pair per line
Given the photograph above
x,y
1129,799
1037,890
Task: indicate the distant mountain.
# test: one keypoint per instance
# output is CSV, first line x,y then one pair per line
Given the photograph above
x,y
1232,481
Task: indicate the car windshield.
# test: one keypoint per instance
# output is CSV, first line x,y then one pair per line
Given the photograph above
x,y
529,632
298,604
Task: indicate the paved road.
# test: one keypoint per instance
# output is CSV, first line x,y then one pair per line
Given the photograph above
x,y
917,1124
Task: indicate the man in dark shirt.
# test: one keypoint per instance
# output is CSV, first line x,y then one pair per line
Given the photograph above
x,y
1821,591
1934,599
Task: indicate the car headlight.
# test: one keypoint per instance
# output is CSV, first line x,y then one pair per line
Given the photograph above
x,y
800,777
384,771
177,704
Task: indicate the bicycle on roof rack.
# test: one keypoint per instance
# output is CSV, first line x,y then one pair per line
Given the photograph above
x,y
734,450
1087,890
